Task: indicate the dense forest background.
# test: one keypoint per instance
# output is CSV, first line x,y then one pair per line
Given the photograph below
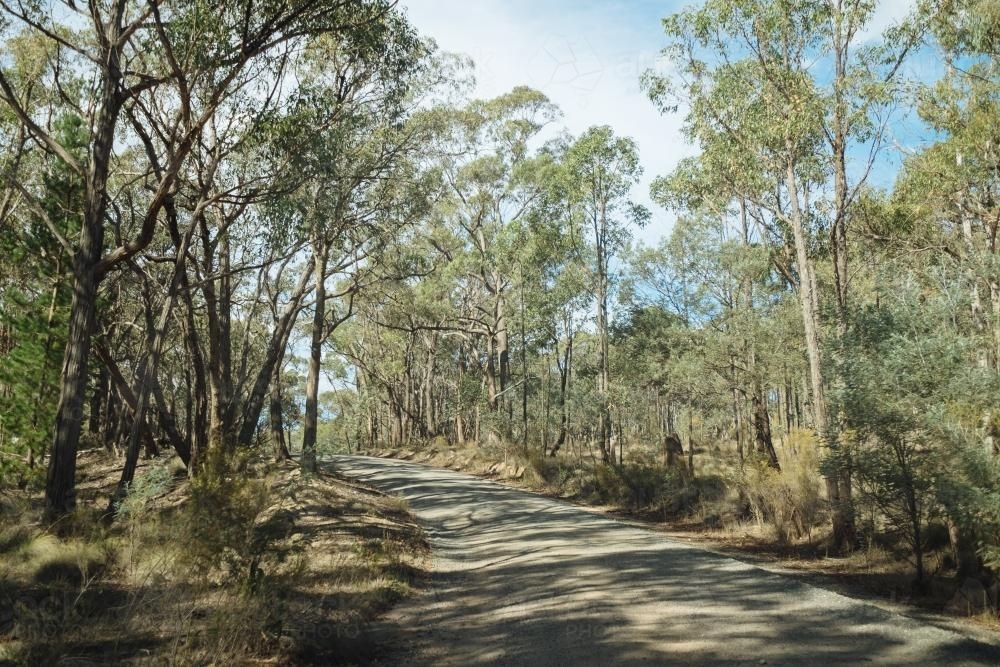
x,y
286,225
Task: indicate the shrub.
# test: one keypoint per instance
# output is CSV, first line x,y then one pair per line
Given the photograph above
x,y
788,499
637,485
221,517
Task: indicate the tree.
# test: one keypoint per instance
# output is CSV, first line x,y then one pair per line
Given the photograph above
x,y
601,169
786,148
207,55
361,83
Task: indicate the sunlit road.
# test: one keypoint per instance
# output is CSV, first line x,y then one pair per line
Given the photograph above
x,y
519,579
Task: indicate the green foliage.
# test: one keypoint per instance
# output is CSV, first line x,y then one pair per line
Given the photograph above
x,y
911,380
146,486
34,301
223,536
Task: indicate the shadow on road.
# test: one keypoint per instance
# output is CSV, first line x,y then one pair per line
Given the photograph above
x,y
524,580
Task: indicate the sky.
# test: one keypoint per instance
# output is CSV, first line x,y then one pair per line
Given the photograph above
x,y
586,56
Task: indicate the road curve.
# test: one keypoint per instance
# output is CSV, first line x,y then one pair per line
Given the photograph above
x,y
520,579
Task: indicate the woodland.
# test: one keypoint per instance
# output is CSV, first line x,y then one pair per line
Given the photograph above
x,y
287,226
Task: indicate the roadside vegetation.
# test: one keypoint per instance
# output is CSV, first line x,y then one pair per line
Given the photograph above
x,y
263,567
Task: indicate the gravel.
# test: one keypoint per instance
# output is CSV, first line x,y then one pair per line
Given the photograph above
x,y
519,579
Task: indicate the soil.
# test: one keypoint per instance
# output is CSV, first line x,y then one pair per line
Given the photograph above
x,y
337,555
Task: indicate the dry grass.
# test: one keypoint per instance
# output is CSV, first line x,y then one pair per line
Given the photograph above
x,y
272,569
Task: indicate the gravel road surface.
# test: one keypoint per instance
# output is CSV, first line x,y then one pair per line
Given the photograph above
x,y
519,579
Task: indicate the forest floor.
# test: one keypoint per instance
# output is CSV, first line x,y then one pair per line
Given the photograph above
x,y
269,568
881,574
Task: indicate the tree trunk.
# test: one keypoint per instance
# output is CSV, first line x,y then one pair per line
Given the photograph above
x,y
762,429
844,530
844,534
524,376
275,352
217,309
564,374
310,420
98,399
603,378
60,485
490,373
503,354
738,425
277,422
429,407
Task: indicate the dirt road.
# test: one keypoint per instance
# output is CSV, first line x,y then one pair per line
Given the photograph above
x,y
519,579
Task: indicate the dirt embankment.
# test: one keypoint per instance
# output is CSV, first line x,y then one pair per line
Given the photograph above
x,y
267,567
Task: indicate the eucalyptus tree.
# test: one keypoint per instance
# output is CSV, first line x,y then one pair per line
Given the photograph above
x,y
442,340
365,85
487,165
553,289
718,282
601,169
790,105
135,56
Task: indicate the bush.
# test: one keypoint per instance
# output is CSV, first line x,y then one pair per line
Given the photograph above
x,y
788,499
551,470
636,485
222,516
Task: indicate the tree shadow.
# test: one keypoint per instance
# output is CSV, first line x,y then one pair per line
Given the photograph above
x,y
523,580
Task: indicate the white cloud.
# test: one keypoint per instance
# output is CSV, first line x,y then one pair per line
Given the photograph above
x,y
887,13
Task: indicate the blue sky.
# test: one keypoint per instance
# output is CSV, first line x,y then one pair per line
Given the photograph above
x,y
586,56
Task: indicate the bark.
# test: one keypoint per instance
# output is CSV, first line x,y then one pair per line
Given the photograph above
x,y
169,425
60,486
217,310
273,355
197,434
118,418
490,374
429,405
311,418
963,551
844,531
98,399
603,362
460,426
524,376
844,534
808,300
762,429
564,375
691,441
738,425
276,421
502,344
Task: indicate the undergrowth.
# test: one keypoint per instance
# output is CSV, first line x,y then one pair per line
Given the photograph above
x,y
219,570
